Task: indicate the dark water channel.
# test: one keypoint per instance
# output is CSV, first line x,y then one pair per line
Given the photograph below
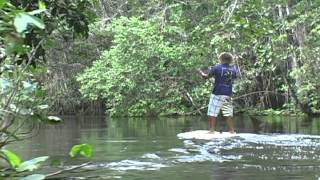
x,y
271,148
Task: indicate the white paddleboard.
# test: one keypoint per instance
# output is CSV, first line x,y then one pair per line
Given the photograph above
x,y
205,135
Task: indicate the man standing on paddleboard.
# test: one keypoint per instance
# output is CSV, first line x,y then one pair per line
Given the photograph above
x,y
221,98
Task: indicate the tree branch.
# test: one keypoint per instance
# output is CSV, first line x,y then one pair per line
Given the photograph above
x,y
67,170
231,12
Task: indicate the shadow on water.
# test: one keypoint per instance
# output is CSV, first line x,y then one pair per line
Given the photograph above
x,y
142,148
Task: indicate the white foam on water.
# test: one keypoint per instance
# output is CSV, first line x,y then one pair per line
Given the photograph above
x,y
198,158
204,135
202,153
245,138
206,157
151,156
284,147
126,165
188,142
204,146
179,150
121,141
281,139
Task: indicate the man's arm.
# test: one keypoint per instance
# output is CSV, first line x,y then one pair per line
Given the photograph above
x,y
204,74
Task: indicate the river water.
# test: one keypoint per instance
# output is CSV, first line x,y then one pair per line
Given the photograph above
x,y
142,148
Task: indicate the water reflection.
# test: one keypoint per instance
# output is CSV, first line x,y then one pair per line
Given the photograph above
x,y
292,125
56,140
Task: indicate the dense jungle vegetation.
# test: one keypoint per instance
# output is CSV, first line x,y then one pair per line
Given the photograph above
x,y
147,54
141,57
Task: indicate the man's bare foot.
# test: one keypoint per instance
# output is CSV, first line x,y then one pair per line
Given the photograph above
x,y
213,132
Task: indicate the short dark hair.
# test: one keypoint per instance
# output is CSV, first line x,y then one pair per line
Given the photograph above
x,y
226,57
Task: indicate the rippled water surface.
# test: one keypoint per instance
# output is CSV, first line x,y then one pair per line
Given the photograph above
x,y
265,148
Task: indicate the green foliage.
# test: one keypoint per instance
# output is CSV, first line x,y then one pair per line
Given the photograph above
x,y
85,150
25,29
19,166
273,112
26,26
2,3
21,97
142,67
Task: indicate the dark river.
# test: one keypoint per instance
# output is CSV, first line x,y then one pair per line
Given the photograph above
x,y
141,148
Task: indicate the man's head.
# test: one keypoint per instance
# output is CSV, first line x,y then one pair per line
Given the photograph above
x,y
226,58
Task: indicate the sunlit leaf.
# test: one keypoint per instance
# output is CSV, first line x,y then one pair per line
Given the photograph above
x,y
34,177
22,20
14,159
32,164
85,150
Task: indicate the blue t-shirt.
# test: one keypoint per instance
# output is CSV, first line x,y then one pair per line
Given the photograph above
x,y
224,74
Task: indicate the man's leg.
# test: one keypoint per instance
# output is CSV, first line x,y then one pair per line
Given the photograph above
x,y
230,122
227,110
213,111
212,123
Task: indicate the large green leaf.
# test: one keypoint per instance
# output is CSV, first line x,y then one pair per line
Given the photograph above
x,y
23,19
34,177
14,159
32,164
85,150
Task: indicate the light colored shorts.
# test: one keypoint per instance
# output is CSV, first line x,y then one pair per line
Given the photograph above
x,y
220,102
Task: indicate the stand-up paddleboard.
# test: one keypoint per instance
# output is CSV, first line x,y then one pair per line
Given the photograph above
x,y
205,135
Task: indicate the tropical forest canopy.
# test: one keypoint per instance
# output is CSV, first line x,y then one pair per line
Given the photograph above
x,y
141,57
